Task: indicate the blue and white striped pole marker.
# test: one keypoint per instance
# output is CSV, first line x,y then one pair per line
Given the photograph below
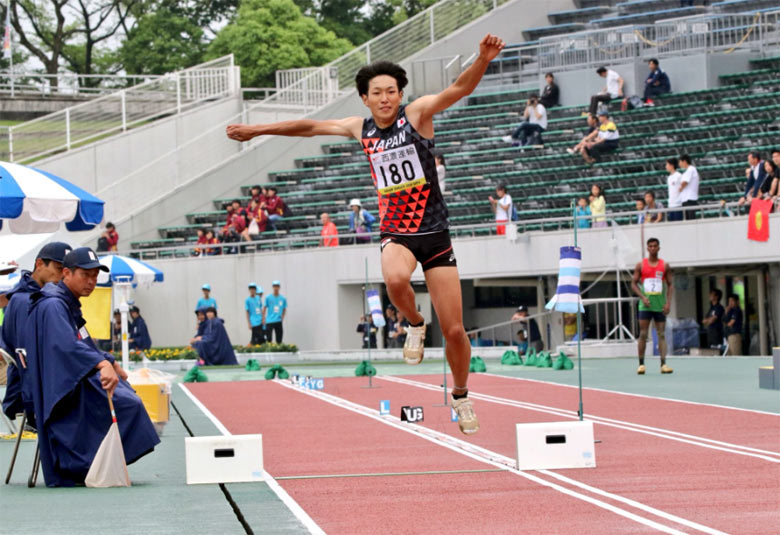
x,y
567,297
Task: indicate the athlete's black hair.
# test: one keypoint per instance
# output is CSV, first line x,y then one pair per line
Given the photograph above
x,y
651,240
378,68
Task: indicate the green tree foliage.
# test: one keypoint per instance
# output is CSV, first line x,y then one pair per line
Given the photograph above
x,y
268,35
162,42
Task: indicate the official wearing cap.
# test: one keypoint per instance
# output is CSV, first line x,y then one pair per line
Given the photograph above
x,y
68,380
206,301
139,333
47,268
253,305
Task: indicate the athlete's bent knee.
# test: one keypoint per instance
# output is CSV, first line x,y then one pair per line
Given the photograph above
x,y
454,333
397,282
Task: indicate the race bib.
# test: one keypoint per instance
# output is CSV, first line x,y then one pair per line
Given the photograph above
x,y
83,334
276,309
257,311
397,169
653,286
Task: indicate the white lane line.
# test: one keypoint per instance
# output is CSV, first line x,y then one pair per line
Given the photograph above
x,y
495,459
756,411
619,424
288,500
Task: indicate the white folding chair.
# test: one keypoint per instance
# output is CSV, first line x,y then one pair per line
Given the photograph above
x,y
37,459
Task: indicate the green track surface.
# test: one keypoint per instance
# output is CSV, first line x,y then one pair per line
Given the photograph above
x,y
161,503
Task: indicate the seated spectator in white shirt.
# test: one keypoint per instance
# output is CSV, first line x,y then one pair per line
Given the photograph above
x,y
652,208
530,130
689,186
502,207
613,89
673,186
755,175
606,140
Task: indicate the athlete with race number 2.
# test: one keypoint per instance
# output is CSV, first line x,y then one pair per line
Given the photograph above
x,y
398,141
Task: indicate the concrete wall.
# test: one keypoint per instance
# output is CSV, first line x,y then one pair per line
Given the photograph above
x,y
323,287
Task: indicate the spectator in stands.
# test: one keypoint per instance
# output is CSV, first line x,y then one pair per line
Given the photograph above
x,y
534,336
139,334
257,219
714,320
234,228
108,239
598,206
590,135
673,187
212,240
502,208
360,221
607,139
613,89
641,212
689,186
368,330
238,210
258,194
550,93
534,123
440,170
652,208
583,213
197,251
771,187
275,207
657,83
733,324
329,232
755,175
206,301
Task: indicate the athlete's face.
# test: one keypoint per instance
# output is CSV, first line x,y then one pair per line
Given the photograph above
x,y
653,248
383,99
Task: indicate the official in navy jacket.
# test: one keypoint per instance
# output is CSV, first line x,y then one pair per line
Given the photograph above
x,y
657,83
48,268
756,175
139,334
69,379
213,346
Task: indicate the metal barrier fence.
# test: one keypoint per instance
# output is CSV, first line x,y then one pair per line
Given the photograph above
x,y
283,242
759,32
70,84
315,87
116,112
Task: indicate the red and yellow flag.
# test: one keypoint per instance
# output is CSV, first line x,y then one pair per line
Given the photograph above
x,y
758,221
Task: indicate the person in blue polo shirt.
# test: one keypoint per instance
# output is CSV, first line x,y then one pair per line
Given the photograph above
x,y
206,301
273,313
254,314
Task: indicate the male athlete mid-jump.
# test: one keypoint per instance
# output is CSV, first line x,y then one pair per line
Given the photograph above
x,y
398,141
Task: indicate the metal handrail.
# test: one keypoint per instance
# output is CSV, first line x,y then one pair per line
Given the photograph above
x,y
287,243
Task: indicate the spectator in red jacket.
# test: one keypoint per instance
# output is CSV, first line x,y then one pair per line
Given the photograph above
x,y
257,219
329,232
258,194
202,240
274,205
109,239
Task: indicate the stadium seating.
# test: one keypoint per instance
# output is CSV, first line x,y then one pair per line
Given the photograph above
x,y
715,126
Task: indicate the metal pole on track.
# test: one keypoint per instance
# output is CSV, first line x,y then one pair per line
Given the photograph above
x,y
579,326
444,370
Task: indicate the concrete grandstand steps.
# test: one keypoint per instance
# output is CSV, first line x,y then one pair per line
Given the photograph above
x,y
582,15
772,62
733,6
748,77
584,4
645,17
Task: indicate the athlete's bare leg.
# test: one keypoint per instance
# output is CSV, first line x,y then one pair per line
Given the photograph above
x,y
444,286
398,264
641,343
660,329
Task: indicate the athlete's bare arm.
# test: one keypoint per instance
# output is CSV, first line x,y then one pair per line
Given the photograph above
x,y
635,284
421,111
669,289
348,127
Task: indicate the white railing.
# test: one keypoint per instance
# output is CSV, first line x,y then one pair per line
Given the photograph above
x,y
114,113
726,33
67,84
321,85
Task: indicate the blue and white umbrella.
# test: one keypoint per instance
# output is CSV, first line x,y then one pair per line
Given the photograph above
x,y
36,201
125,269
9,281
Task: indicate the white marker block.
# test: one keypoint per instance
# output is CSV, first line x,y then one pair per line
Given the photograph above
x,y
224,459
553,445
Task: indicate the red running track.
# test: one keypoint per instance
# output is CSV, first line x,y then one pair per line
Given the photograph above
x,y
722,490
304,435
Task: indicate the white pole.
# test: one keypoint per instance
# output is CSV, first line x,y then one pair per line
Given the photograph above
x,y
124,308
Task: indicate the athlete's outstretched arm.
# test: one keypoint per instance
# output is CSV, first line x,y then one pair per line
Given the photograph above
x,y
349,127
429,105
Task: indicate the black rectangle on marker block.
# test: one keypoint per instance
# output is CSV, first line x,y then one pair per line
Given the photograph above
x,y
555,439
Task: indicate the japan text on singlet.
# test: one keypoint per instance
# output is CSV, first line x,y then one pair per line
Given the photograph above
x,y
404,173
